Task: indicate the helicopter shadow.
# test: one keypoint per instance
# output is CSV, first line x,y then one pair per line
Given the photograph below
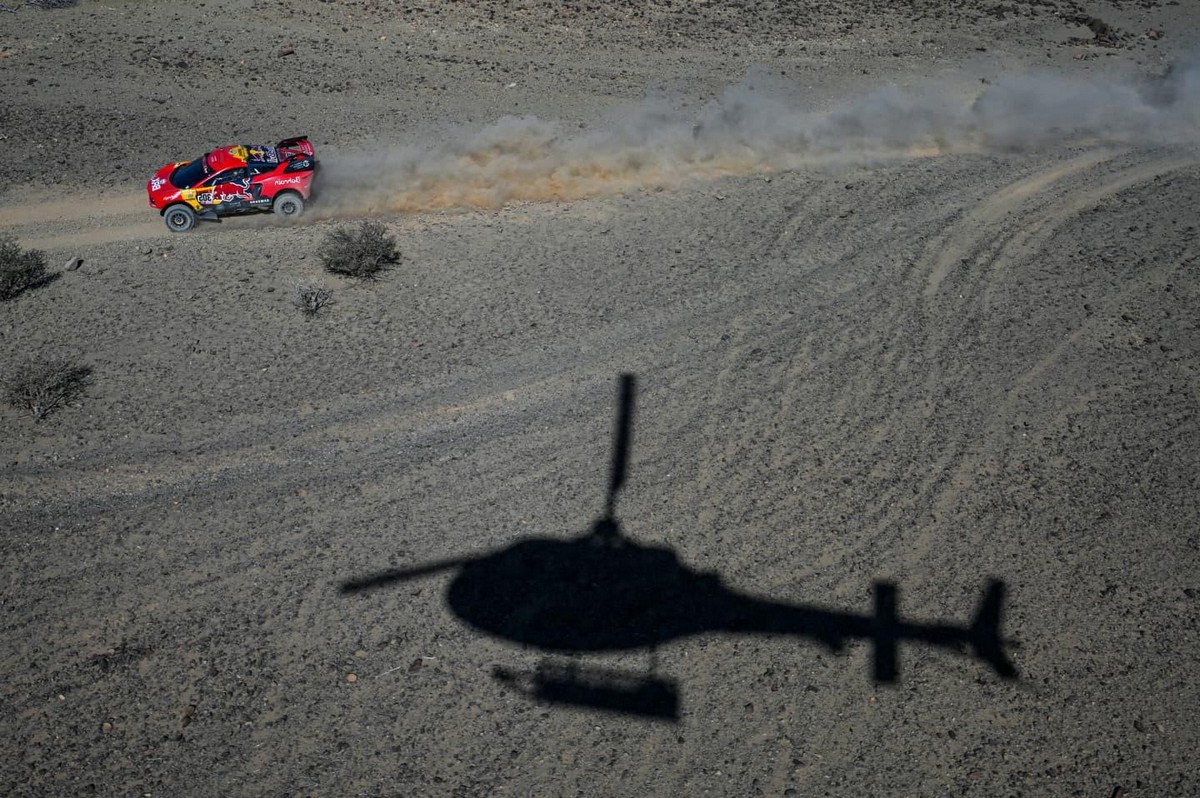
x,y
604,592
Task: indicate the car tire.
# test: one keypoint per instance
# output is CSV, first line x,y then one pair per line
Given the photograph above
x,y
288,205
179,218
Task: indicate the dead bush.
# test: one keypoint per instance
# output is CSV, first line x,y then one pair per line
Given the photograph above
x,y
362,253
20,269
312,296
42,386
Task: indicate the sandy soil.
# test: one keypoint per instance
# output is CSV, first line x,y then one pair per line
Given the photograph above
x,y
882,355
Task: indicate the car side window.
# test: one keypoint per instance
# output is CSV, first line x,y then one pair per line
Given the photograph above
x,y
228,176
231,175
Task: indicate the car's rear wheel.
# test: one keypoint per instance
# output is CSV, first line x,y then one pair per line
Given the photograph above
x,y
288,205
179,218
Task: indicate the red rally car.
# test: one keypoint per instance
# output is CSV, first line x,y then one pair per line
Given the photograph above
x,y
237,179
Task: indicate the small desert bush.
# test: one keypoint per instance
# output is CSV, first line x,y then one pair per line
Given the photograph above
x,y
42,386
363,252
311,297
20,269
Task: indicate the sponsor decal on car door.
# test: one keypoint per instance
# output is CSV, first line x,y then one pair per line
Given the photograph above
x,y
225,193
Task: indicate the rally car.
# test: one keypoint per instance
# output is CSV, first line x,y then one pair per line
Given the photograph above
x,y
237,179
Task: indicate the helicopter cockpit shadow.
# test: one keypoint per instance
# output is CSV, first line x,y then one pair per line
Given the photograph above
x,y
602,592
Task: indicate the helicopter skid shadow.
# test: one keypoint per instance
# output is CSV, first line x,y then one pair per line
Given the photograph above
x,y
595,688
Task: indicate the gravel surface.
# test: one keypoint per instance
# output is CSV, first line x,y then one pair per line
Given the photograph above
x,y
909,292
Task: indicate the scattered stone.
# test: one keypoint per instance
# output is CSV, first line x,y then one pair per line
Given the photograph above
x,y
1103,34
106,727
147,250
352,677
421,662
286,50
73,264
1154,33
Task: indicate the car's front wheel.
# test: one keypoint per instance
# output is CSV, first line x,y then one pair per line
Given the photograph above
x,y
288,205
179,218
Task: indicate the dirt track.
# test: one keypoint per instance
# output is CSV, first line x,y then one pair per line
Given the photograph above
x,y
926,371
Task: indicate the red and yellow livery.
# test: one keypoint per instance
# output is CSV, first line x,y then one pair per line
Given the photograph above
x,y
237,179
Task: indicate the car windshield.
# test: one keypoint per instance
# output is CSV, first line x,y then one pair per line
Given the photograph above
x,y
189,175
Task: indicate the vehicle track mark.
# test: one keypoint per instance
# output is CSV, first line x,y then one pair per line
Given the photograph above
x,y
964,238
1011,253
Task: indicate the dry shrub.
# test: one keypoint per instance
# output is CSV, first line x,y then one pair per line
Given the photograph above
x,y
41,386
362,253
311,297
20,269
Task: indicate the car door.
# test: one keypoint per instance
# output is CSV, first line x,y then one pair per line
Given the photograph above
x,y
225,191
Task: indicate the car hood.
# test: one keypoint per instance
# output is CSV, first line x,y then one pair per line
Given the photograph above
x,y
159,185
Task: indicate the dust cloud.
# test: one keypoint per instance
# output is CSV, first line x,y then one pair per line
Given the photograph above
x,y
755,126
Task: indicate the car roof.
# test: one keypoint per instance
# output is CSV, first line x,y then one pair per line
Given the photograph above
x,y
239,155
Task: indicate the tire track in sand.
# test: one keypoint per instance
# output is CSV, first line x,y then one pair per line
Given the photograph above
x,y
1001,238
971,231
71,223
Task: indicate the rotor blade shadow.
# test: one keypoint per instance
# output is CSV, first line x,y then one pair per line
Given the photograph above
x,y
384,578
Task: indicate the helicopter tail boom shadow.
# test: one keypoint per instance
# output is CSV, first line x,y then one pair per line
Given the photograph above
x,y
884,628
982,636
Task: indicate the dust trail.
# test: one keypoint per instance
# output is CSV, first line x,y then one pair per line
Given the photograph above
x,y
758,125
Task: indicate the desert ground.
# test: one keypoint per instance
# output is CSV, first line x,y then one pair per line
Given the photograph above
x,y
908,292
